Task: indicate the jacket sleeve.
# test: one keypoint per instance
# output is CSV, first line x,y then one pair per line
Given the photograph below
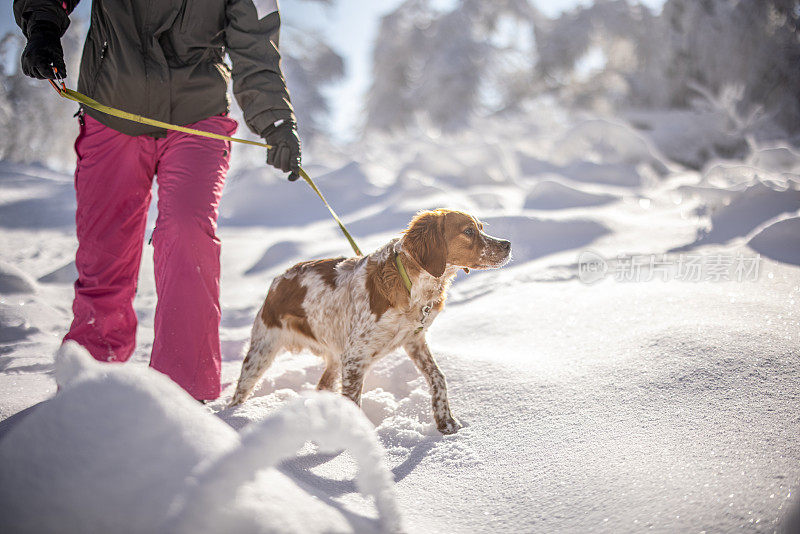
x,y
28,12
251,38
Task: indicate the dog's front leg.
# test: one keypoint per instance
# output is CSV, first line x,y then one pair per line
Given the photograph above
x,y
420,354
354,367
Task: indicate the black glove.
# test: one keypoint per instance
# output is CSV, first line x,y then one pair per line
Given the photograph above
x,y
43,52
285,151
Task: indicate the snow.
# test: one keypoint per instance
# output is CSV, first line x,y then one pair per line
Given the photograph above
x,y
744,210
123,446
627,404
14,280
779,241
334,425
552,195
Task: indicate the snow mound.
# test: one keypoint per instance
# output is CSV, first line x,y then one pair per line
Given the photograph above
x,y
726,175
333,423
461,165
779,241
348,187
690,137
603,141
87,458
621,174
14,324
551,195
14,280
777,159
598,151
35,197
276,255
253,199
393,219
533,238
66,274
747,209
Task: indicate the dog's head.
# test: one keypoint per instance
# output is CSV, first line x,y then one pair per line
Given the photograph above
x,y
441,238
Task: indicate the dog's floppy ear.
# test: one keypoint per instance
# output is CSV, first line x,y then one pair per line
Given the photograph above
x,y
425,241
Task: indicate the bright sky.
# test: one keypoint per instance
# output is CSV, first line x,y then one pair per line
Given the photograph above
x,y
350,27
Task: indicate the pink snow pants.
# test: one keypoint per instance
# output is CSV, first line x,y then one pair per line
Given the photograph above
x,y
113,180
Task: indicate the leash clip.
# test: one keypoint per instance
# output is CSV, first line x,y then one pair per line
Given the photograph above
x,y
60,90
426,311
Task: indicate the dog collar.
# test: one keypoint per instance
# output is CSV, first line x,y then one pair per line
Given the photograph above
x,y
403,273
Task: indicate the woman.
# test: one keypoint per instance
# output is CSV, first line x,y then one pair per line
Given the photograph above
x,y
163,60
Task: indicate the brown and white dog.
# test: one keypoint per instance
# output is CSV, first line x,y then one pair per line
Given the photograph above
x,y
354,311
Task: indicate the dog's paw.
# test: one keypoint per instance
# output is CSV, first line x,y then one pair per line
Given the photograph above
x,y
448,426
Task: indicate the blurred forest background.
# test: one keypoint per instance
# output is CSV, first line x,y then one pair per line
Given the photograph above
x,y
436,70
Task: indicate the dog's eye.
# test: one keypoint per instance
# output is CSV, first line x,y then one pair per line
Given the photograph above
x,y
469,231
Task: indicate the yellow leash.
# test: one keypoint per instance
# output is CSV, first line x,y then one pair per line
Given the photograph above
x,y
86,101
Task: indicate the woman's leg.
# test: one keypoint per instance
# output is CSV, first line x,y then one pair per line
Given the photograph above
x,y
113,178
191,173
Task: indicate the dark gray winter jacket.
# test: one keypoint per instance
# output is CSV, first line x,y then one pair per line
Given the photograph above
x,y
164,58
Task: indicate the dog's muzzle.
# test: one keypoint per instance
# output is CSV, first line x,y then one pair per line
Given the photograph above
x,y
497,252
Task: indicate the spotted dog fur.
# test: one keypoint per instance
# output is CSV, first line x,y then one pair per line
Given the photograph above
x,y
354,311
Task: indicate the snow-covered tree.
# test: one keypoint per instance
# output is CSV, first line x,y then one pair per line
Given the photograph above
x,y
618,35
309,65
662,61
435,67
397,66
719,43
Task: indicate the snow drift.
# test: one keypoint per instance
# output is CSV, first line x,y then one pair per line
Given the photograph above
x,y
779,240
122,448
